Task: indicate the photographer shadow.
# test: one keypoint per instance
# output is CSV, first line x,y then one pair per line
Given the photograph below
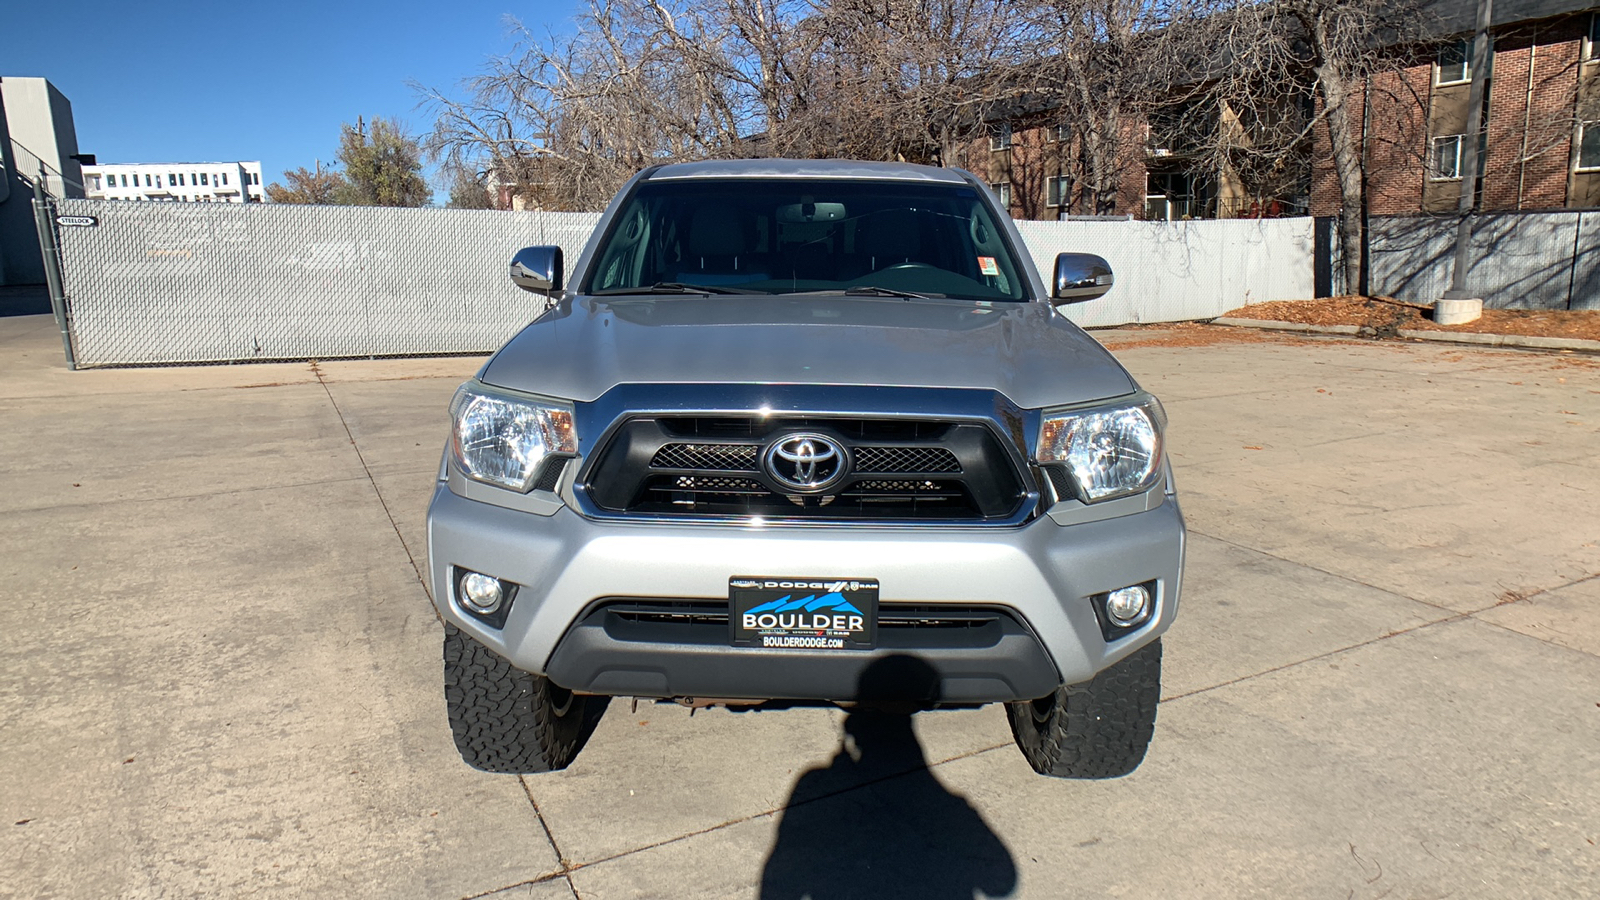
x,y
875,822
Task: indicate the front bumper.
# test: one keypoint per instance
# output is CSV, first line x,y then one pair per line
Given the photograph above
x,y
1040,575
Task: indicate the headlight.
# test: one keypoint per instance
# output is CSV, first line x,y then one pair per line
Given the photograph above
x,y
504,439
1111,452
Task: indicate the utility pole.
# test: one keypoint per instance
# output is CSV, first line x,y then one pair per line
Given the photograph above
x,y
1458,305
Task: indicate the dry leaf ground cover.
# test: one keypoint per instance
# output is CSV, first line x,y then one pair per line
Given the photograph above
x,y
1387,316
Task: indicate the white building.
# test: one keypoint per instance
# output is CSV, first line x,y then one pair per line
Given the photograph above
x,y
199,182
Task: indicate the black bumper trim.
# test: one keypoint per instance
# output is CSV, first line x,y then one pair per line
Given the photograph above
x,y
657,648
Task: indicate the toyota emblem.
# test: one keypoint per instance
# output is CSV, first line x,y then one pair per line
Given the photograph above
x,y
806,462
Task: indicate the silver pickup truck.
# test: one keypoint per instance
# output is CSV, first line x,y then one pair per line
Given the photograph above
x,y
805,432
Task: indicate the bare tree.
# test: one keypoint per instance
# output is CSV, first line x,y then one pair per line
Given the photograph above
x,y
909,79
656,81
1109,68
469,190
643,82
1297,65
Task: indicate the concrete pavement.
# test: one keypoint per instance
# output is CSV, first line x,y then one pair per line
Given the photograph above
x,y
219,672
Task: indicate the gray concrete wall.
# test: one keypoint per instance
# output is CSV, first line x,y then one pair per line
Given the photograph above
x,y
1531,260
20,262
36,128
39,118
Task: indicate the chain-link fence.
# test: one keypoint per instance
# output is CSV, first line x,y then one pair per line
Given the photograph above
x,y
168,283
1519,260
183,283
1181,271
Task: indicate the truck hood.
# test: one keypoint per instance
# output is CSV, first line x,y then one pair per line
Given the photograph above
x,y
584,347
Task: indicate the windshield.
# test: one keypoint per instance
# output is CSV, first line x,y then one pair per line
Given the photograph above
x,y
769,236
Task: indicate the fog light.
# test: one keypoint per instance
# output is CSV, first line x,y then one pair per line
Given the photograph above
x,y
1129,606
482,593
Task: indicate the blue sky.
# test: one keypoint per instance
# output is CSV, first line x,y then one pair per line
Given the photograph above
x,y
185,81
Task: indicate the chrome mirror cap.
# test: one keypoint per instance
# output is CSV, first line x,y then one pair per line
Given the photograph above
x,y
1080,277
537,269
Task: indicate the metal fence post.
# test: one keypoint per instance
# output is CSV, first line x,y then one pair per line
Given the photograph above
x,y
44,217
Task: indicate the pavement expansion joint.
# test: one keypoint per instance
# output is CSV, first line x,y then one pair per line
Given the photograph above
x,y
573,867
1458,617
1534,637
1294,562
168,498
361,457
566,864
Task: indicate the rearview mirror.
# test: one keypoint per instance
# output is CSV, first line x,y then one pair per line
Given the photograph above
x,y
1080,277
537,269
797,213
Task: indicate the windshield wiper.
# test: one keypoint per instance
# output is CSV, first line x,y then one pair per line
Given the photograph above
x,y
676,287
872,290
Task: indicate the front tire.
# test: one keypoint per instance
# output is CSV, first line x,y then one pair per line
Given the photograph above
x,y
506,720
1098,729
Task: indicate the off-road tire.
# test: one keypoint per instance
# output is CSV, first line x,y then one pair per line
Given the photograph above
x,y
506,720
1098,729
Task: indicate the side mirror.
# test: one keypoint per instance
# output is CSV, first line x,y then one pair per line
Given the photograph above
x,y
1080,277
537,269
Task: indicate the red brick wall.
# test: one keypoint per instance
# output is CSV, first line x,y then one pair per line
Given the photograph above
x,y
1508,114
1396,144
1033,158
1397,140
1543,171
1324,178
1529,145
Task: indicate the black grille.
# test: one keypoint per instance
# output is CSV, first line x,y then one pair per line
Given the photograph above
x,y
892,616
550,478
868,459
907,460
712,466
1061,480
707,457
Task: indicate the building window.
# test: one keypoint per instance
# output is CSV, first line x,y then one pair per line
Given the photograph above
x,y
1589,147
1056,190
205,179
1057,133
1002,190
1591,43
1455,63
224,177
1000,136
1446,158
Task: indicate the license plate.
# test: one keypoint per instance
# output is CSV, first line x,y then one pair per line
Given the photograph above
x,y
803,613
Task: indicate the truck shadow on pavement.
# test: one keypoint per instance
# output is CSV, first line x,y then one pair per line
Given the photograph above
x,y
875,822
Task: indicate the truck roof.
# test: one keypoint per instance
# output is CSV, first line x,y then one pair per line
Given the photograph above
x,y
804,168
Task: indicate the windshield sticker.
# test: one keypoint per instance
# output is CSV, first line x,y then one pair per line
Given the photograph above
x,y
986,265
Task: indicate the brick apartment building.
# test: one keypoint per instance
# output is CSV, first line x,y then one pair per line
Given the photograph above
x,y
1541,142
1027,161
